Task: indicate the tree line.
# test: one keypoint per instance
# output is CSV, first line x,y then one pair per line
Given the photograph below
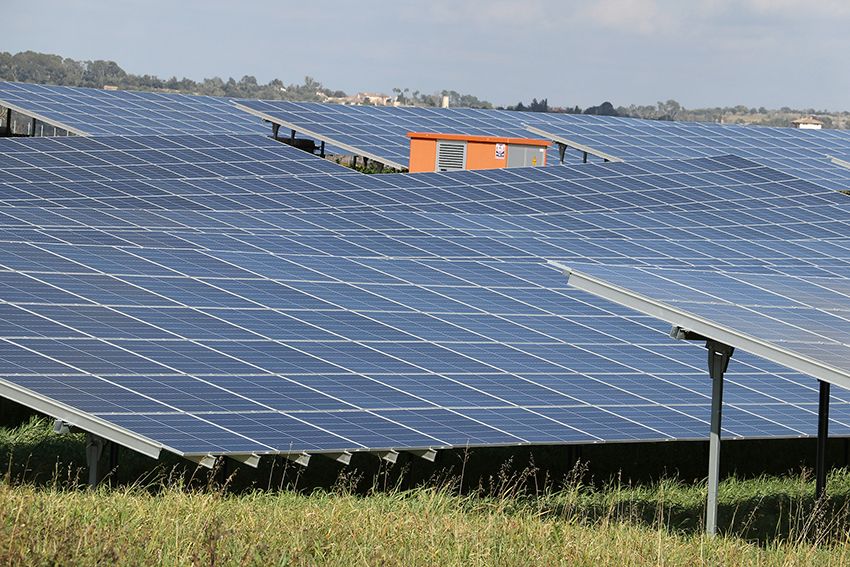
x,y
45,68
673,110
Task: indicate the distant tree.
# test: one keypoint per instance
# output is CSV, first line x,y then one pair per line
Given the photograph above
x,y
604,109
539,106
99,73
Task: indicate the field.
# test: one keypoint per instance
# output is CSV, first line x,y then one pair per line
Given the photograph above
x,y
167,519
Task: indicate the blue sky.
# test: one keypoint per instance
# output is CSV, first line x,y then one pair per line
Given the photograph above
x,y
769,53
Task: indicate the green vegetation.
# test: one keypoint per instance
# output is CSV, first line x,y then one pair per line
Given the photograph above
x,y
672,110
45,68
168,517
421,527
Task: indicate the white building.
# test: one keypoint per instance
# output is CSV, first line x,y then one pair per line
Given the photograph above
x,y
808,123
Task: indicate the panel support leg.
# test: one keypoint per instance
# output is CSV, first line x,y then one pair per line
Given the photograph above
x,y
322,149
94,449
562,149
291,137
8,129
275,130
584,157
113,456
823,435
718,361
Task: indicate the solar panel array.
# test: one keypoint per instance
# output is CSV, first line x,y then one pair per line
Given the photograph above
x,y
380,132
799,152
88,111
235,296
129,158
264,331
254,172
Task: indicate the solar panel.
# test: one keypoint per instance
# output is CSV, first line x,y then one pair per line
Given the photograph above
x,y
380,132
152,171
346,331
87,111
802,153
797,321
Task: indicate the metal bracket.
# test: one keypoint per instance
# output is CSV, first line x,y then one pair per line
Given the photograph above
x,y
719,353
207,461
252,460
302,459
344,457
389,456
61,427
682,334
427,454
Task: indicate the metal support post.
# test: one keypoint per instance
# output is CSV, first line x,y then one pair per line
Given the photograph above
x,y
718,361
365,162
584,157
34,121
113,456
223,470
562,149
354,162
275,130
719,355
322,149
292,136
823,435
94,449
8,122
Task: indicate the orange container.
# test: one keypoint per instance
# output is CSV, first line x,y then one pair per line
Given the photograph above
x,y
448,152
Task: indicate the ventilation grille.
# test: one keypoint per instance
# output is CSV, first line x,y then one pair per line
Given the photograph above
x,y
451,156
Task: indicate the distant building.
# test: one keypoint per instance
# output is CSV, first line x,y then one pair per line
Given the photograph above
x,y
375,99
808,123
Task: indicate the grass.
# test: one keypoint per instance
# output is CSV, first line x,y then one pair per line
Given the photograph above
x,y
47,518
132,526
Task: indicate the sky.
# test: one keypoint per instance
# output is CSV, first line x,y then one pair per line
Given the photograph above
x,y
702,53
